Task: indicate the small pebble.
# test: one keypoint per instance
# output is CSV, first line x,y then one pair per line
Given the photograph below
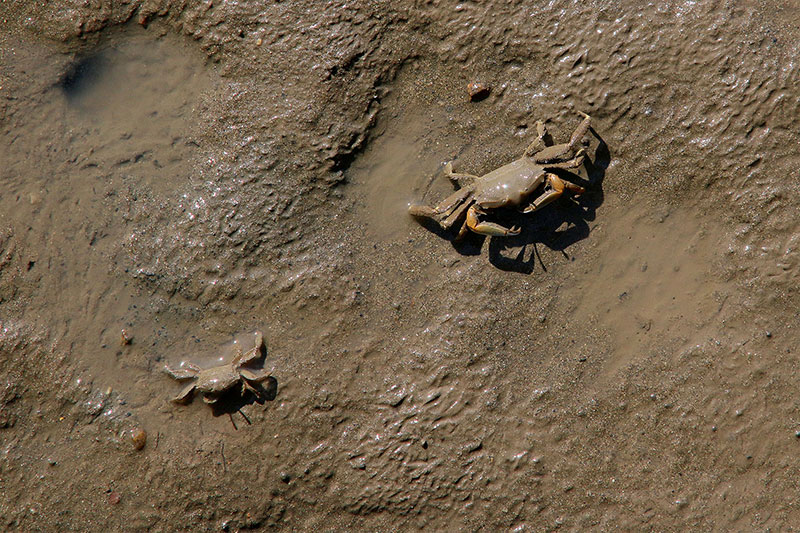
x,y
478,91
285,477
125,338
138,438
797,434
114,497
768,334
260,41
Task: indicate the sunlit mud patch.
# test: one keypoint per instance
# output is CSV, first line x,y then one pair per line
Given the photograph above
x,y
94,143
657,287
391,170
131,101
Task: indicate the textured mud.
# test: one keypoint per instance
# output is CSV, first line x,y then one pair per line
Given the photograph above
x,y
192,172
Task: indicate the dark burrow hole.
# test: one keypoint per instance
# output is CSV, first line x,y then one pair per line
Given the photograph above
x,y
82,73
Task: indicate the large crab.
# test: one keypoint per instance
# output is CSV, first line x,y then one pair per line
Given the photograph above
x,y
511,185
214,382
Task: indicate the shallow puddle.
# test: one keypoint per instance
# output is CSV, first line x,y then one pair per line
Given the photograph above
x,y
131,104
398,168
115,126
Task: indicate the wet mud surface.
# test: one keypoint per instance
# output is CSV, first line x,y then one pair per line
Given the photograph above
x,y
192,172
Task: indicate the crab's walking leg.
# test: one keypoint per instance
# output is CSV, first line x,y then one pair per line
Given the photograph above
x,y
188,371
455,216
557,153
253,354
575,162
249,381
248,387
557,188
185,396
487,228
441,213
462,232
542,140
580,131
418,210
463,180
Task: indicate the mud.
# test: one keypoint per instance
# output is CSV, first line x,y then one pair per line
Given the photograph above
x,y
192,172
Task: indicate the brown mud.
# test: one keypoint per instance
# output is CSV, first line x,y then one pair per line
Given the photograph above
x,y
191,172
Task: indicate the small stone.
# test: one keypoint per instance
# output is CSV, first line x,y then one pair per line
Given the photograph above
x,y
768,334
125,338
478,91
797,434
114,497
285,477
138,438
260,41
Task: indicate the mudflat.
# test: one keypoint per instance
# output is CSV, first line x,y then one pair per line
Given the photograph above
x,y
175,176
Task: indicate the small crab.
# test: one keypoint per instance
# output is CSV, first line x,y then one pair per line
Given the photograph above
x,y
510,185
214,382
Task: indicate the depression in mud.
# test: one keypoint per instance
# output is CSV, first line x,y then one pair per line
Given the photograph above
x,y
218,314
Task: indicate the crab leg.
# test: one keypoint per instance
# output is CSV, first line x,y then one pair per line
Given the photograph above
x,y
487,228
463,180
462,232
455,216
556,153
250,379
188,371
557,188
442,210
542,140
575,162
185,396
253,354
580,131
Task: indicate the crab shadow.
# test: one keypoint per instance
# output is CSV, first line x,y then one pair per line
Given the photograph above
x,y
233,400
520,253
